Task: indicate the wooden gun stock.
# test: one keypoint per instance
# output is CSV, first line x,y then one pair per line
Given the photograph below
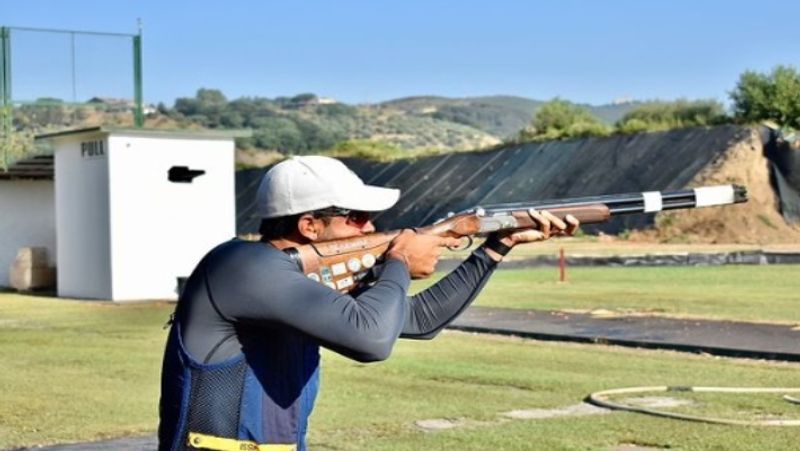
x,y
342,264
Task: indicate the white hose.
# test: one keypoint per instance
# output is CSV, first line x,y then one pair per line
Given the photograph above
x,y
600,398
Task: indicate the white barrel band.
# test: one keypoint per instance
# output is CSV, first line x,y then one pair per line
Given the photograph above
x,y
713,195
652,201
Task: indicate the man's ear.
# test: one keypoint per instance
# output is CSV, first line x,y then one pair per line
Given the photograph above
x,y
307,227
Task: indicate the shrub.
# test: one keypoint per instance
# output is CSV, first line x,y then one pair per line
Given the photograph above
x,y
658,115
366,149
560,119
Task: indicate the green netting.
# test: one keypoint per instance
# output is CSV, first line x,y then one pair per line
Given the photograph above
x,y
52,80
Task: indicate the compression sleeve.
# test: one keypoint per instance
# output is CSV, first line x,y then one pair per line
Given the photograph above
x,y
432,310
276,293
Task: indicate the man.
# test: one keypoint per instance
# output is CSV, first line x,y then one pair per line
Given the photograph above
x,y
241,366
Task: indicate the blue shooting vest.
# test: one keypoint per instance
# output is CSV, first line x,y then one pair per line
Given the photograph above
x,y
259,400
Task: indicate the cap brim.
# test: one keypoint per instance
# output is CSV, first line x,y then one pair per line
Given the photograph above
x,y
372,198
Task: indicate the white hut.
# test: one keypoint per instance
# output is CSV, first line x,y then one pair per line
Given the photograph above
x,y
130,210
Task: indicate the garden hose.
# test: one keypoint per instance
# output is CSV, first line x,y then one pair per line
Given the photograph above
x,y
600,398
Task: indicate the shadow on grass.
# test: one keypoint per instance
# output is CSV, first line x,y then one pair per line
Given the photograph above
x,y
43,292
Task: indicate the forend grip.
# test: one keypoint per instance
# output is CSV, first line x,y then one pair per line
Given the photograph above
x,y
586,214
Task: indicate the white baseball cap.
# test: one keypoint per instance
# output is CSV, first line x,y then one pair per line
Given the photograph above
x,y
302,184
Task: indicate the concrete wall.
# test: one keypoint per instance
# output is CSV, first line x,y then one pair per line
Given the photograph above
x,y
161,229
82,225
27,219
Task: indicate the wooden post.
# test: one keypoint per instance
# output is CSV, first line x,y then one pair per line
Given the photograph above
x,y
562,266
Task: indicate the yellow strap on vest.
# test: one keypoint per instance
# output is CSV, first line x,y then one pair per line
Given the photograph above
x,y
203,441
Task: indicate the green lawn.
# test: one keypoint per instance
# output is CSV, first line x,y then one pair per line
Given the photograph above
x,y
80,371
769,293
73,370
589,245
475,378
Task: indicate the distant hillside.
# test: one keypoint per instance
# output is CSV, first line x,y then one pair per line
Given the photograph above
x,y
307,123
501,116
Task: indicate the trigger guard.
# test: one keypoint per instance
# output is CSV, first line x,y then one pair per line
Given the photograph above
x,y
460,247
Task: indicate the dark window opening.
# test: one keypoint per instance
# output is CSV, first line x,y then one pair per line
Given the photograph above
x,y
182,174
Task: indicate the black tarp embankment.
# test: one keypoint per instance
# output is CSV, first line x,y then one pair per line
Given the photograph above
x,y
433,186
785,169
788,196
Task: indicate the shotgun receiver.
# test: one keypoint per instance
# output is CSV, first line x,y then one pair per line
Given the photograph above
x,y
343,263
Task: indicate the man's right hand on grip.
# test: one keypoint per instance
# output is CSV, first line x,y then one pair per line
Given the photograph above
x,y
420,252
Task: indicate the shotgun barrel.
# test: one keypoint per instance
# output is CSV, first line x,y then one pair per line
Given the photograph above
x,y
596,209
343,264
633,203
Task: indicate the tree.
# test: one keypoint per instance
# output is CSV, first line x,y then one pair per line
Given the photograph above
x,y
337,110
657,115
315,137
277,133
559,119
208,104
774,96
211,98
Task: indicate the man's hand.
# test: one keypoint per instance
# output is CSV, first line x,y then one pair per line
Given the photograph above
x,y
419,252
547,225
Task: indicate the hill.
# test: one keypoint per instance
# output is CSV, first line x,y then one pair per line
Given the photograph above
x,y
307,123
501,116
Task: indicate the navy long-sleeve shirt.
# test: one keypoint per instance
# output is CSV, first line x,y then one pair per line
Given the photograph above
x,y
248,304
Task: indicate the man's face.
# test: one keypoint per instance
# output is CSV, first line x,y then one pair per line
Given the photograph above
x,y
345,225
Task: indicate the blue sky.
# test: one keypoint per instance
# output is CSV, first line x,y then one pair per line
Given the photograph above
x,y
369,51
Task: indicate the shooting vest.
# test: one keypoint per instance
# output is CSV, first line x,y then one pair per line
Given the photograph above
x,y
259,400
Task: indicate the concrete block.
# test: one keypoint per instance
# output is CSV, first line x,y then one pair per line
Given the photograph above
x,y
33,257
30,270
27,279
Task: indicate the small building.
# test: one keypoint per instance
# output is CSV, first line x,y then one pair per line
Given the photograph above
x,y
126,211
27,206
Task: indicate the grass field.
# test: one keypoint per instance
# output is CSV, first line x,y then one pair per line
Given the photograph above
x,y
75,371
590,245
769,293
474,379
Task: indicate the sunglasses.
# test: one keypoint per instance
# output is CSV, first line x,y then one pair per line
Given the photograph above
x,y
355,217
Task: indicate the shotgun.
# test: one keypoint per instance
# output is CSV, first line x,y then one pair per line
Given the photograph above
x,y
342,264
